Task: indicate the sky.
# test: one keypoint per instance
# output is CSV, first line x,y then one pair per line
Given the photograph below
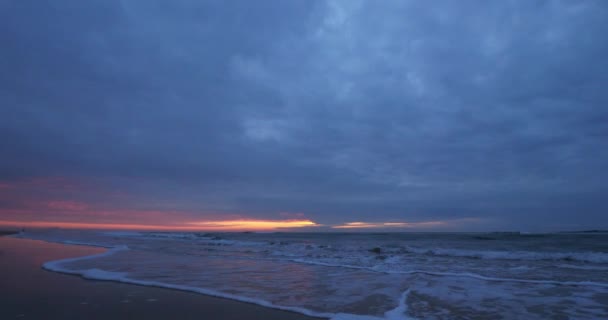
x,y
304,115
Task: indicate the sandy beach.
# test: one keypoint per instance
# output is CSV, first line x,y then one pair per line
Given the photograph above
x,y
29,292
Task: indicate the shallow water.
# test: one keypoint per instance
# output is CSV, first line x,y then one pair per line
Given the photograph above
x,y
394,275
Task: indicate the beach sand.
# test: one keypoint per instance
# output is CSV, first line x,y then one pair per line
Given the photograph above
x,y
29,292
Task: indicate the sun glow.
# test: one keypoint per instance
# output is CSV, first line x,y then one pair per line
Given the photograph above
x,y
363,225
224,225
253,224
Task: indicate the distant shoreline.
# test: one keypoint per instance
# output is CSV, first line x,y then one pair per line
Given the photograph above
x,y
13,229
7,233
586,231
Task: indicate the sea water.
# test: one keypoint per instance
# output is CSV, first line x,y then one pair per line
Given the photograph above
x,y
363,275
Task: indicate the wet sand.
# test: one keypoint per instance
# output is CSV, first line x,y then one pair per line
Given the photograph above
x,y
29,292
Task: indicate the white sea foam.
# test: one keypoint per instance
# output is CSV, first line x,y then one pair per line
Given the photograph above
x,y
57,264
82,243
330,276
583,267
399,312
498,279
457,274
97,274
296,249
594,257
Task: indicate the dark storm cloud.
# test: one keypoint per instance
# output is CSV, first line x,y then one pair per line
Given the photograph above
x,y
342,110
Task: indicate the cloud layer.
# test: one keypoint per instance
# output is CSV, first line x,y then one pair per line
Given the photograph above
x,y
398,112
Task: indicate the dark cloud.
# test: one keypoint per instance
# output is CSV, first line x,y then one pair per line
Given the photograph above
x,y
341,110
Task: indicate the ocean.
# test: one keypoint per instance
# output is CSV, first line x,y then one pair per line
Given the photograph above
x,y
362,275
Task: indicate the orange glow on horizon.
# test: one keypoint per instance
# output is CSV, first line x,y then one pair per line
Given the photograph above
x,y
254,224
359,224
226,225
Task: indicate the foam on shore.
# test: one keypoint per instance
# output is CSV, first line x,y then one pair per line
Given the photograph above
x,y
102,275
361,277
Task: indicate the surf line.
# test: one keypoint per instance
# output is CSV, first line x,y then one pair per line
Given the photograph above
x,y
463,275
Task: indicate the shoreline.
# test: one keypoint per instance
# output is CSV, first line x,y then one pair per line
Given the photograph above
x,y
31,292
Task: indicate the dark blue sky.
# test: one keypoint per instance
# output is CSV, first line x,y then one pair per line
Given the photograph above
x,y
477,115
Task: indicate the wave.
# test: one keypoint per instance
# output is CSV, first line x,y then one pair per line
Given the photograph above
x,y
595,257
89,244
295,249
458,274
480,277
23,235
589,256
56,265
583,267
97,274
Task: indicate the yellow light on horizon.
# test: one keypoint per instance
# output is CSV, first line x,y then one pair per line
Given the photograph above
x,y
223,225
359,224
250,224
